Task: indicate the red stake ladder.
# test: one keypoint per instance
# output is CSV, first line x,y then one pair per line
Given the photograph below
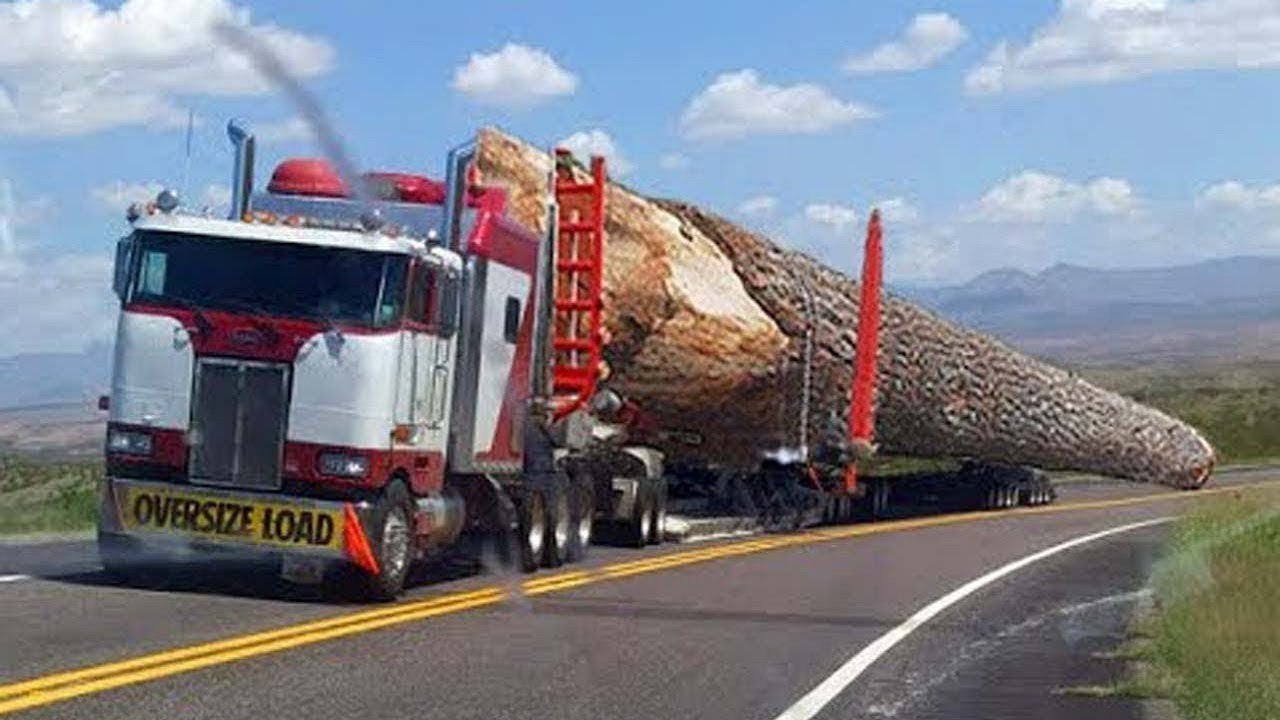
x,y
862,392
576,323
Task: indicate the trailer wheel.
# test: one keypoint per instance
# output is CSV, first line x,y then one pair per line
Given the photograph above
x,y
842,509
659,520
582,502
559,524
879,492
635,531
391,539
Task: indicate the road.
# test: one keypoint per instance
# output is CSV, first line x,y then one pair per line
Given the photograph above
x,y
744,628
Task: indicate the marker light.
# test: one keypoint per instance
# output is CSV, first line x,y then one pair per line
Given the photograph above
x,y
167,200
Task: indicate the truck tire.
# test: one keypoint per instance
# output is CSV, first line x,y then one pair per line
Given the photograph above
x,y
878,497
559,523
635,529
659,517
531,533
390,533
583,500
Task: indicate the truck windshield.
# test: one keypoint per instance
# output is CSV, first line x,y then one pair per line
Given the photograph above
x,y
278,279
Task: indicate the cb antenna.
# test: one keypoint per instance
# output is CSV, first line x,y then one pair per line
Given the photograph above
x,y
186,157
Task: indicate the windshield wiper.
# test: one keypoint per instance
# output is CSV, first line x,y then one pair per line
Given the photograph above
x,y
330,325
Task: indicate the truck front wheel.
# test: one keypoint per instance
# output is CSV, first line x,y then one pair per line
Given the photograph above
x,y
391,539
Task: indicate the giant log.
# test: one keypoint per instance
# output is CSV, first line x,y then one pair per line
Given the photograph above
x,y
713,331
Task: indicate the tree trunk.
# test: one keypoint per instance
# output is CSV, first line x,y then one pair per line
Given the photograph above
x,y
708,326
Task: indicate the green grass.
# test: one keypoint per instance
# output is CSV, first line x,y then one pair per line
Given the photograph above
x,y
1237,407
47,496
1216,633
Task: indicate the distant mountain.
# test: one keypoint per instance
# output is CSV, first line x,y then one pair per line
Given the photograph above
x,y
1217,309
43,378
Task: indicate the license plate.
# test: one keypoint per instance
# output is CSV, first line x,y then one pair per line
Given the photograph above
x,y
157,509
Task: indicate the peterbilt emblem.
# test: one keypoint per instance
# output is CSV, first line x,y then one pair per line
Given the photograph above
x,y
245,337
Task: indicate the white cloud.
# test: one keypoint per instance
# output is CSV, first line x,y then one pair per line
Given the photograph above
x,y
758,206
65,300
838,217
1036,197
119,195
585,143
739,104
71,67
293,129
898,210
517,76
1101,41
673,161
1234,195
928,38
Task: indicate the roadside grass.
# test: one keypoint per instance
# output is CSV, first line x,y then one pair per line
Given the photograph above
x,y
47,496
1213,645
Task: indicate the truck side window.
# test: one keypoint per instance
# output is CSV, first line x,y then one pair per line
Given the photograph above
x,y
421,288
511,321
154,265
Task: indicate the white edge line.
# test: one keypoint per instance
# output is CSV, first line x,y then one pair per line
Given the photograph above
x,y
811,704
13,578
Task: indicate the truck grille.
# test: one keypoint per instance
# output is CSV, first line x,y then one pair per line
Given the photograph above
x,y
238,421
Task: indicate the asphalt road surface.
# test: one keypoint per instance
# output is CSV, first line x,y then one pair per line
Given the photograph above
x,y
877,620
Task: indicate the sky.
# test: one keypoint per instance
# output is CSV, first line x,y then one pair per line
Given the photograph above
x,y
1109,133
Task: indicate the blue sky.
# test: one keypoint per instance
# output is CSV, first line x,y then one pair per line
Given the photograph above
x,y
1100,132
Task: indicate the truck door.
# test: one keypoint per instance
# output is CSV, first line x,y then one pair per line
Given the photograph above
x,y
432,374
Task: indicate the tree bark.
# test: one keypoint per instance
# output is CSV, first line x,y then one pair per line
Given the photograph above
x,y
708,326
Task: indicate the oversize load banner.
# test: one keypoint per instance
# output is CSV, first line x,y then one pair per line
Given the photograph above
x,y
278,524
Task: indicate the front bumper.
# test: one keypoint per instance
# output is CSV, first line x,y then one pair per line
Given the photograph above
x,y
201,516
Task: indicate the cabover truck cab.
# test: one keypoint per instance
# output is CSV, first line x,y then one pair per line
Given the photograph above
x,y
354,378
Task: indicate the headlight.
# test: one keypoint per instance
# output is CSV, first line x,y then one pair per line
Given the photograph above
x,y
343,464
128,442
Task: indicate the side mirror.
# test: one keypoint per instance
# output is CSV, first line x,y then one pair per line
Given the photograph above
x,y
124,261
448,303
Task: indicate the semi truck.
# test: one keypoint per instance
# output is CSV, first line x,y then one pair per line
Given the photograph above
x,y
356,373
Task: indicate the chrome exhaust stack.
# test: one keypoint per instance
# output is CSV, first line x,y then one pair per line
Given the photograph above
x,y
455,194
242,176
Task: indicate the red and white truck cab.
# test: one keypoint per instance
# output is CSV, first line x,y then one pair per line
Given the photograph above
x,y
357,375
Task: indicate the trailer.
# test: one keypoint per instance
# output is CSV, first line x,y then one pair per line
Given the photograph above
x,y
354,374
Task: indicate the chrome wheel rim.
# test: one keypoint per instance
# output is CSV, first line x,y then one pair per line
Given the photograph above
x,y
584,527
536,534
395,542
563,522
646,521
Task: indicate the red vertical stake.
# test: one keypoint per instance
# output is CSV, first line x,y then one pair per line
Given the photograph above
x,y
862,392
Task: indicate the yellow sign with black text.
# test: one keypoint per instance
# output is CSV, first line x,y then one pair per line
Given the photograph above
x,y
149,508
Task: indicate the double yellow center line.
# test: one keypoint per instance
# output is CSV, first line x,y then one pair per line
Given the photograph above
x,y
60,686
